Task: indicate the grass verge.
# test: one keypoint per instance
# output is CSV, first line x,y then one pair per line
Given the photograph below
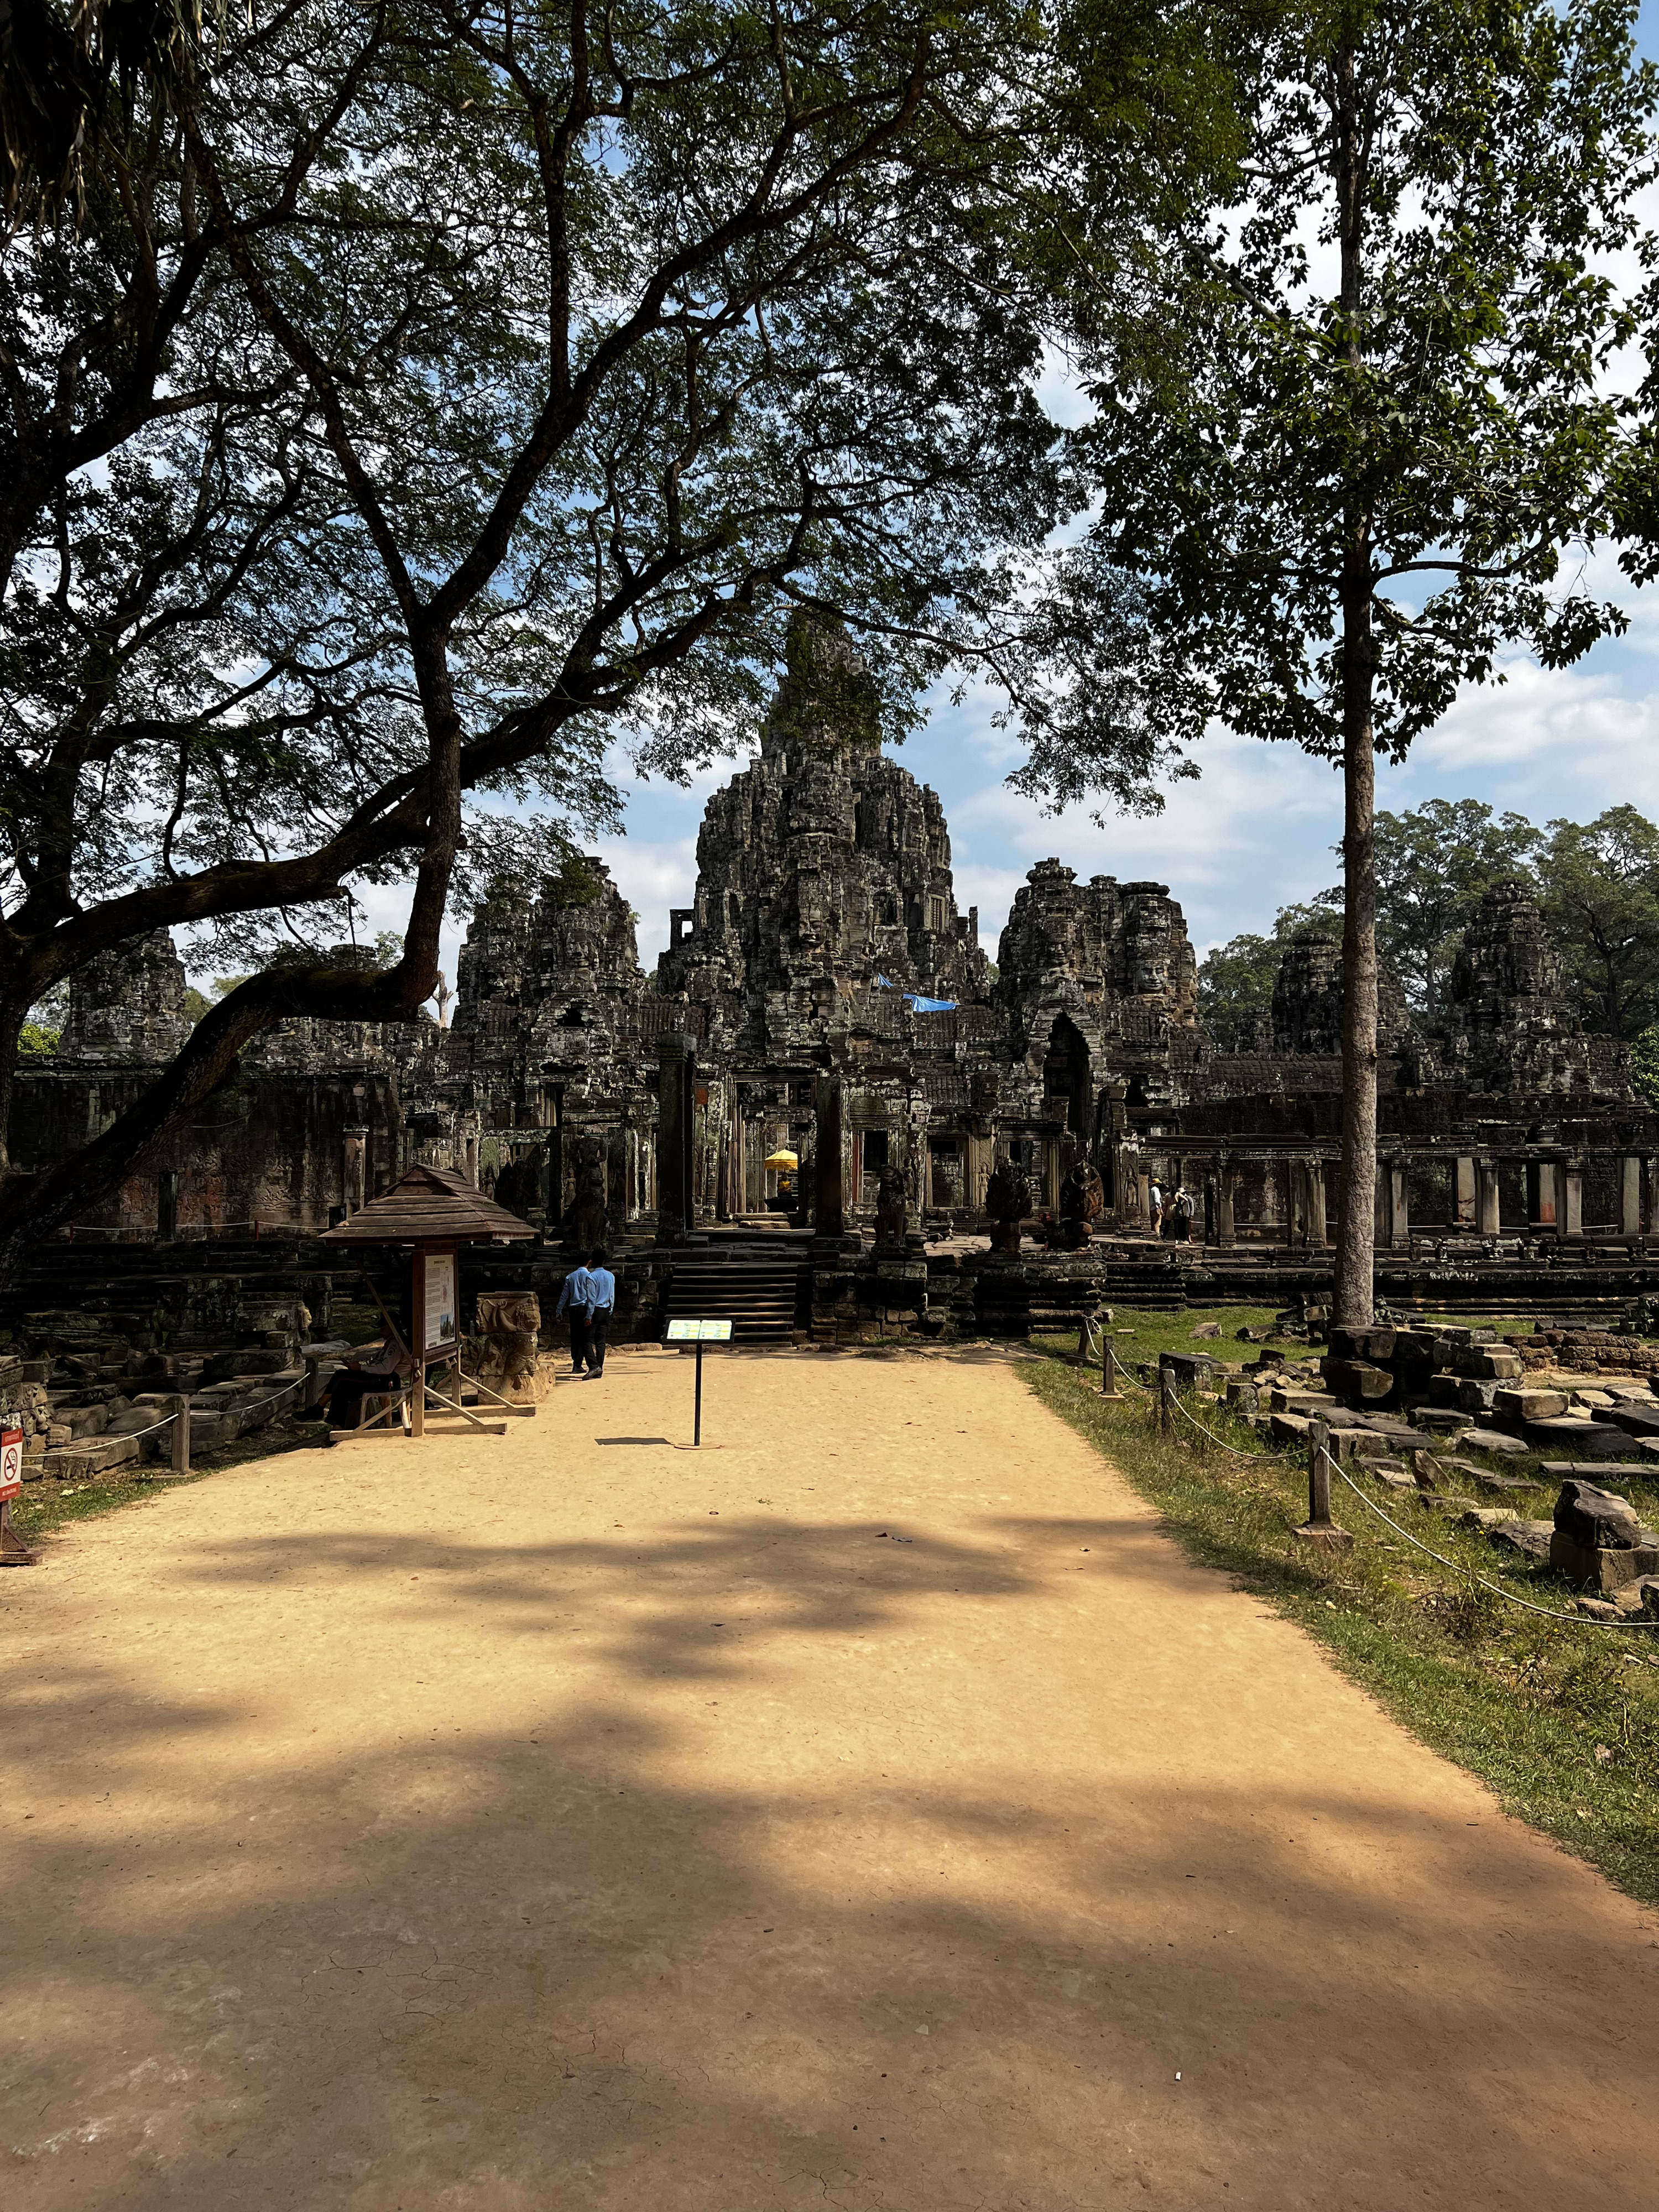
x,y
46,1506
1560,1719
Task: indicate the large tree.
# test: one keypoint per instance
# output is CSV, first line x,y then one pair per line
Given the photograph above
x,y
427,395
1599,889
1340,460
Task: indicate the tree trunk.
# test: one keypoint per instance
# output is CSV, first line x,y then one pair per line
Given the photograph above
x,y
1356,1247
13,1015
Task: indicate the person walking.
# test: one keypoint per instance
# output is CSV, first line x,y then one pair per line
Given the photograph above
x,y
601,1302
1155,1206
575,1297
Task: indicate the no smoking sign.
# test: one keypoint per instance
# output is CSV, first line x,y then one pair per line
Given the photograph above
x,y
11,1462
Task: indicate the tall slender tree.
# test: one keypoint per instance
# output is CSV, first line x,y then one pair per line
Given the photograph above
x,y
1350,450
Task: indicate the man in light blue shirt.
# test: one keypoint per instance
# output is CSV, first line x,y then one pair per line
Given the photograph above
x,y
575,1298
601,1302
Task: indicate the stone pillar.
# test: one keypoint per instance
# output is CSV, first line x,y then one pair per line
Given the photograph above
x,y
1382,1217
1143,1184
1572,1198
1051,1174
353,1142
676,1134
166,1206
829,1155
1316,1204
1630,1194
1463,1201
470,1154
1544,1195
1399,1219
1226,1183
1488,1216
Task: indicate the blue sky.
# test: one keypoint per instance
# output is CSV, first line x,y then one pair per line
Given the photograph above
x,y
1256,831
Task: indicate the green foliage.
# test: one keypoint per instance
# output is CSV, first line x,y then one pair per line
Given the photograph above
x,y
1235,980
1644,1064
197,1003
1599,890
36,1040
1395,421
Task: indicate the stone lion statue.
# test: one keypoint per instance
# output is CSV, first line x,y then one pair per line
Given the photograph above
x,y
1007,1200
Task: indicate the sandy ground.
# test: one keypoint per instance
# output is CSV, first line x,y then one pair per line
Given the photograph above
x,y
872,1811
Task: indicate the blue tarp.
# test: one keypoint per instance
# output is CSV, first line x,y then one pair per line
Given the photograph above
x,y
929,1005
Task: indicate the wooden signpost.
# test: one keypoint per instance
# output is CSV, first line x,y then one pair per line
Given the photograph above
x,y
14,1552
699,1333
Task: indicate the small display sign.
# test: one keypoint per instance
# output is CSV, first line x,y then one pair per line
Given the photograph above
x,y
11,1462
699,1332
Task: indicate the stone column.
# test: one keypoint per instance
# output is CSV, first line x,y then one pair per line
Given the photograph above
x,y
470,1154
828,1171
1630,1194
352,1143
1543,1193
1573,1196
676,1133
1463,1200
1488,1216
1051,1174
1316,1204
1226,1183
1399,1219
166,1206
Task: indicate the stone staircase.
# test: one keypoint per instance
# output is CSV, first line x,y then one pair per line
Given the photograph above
x,y
767,1301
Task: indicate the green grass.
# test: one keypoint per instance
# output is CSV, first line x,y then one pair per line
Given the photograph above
x,y
48,1505
1560,1718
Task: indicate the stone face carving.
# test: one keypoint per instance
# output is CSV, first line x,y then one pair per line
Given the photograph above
x,y
1507,1024
1307,1006
127,1006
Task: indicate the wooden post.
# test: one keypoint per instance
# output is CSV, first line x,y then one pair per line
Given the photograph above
x,y
417,1347
696,1416
312,1396
1166,1408
1319,1527
181,1436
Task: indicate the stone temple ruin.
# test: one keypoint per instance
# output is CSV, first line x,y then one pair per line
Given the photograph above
x,y
975,1145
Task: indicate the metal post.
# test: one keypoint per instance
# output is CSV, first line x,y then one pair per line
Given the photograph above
x,y
181,1436
696,1418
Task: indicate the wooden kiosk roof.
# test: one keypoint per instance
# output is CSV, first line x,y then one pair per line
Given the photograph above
x,y
429,1205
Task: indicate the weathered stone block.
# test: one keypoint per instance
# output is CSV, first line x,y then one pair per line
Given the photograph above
x,y
1528,1402
1369,1344
1598,1567
1489,1360
1591,1516
1357,1379
1531,1539
1583,1439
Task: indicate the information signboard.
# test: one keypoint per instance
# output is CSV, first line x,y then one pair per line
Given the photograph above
x,y
11,1462
699,1332
440,1301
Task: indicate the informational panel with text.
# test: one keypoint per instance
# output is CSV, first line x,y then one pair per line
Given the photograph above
x,y
440,1301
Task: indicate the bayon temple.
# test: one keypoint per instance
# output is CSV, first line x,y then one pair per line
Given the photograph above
x,y
974,1144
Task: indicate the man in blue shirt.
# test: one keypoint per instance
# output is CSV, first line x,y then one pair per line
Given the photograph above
x,y
574,1299
601,1301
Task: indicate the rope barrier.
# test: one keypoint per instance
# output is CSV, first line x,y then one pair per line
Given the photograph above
x,y
1549,1613
1236,1450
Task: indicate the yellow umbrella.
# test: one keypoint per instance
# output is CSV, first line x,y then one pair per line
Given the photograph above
x,y
783,1160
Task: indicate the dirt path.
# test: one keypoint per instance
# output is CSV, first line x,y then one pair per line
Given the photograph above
x,y
571,1821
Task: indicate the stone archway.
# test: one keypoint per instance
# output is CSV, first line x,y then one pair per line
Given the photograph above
x,y
1067,1084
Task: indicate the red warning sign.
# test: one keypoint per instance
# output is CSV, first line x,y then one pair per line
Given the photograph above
x,y
11,1462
